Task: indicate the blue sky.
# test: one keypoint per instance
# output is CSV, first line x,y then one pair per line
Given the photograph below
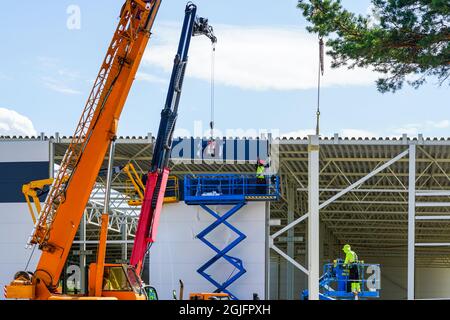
x,y
266,67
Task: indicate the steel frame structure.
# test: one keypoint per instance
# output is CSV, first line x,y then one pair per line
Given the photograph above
x,y
386,211
387,197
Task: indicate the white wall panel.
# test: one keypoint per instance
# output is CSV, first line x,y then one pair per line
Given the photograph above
x,y
20,162
177,254
15,227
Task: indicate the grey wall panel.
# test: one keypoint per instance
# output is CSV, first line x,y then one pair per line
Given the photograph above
x,y
432,283
24,151
21,231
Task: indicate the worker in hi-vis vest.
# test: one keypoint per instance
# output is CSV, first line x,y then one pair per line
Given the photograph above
x,y
260,177
351,262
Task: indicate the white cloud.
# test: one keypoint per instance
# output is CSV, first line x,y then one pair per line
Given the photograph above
x,y
58,78
444,124
143,76
255,58
68,74
298,134
357,133
345,133
13,123
59,86
409,129
374,15
47,62
424,128
412,129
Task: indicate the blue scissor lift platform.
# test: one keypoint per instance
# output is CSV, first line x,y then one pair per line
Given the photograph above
x,y
335,283
235,190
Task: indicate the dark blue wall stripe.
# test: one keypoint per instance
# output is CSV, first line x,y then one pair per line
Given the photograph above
x,y
14,174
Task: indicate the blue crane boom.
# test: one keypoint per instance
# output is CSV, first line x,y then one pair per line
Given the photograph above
x,y
159,171
193,26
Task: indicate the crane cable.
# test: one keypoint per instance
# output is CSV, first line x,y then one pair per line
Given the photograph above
x,y
213,67
212,143
320,74
29,259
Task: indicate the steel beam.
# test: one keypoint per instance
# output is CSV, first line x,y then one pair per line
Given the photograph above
x,y
426,218
360,190
433,244
432,204
433,193
108,242
289,259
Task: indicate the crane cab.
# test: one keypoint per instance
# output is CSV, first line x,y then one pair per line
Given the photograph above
x,y
121,281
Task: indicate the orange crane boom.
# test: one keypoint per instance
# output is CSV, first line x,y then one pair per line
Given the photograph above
x,y
61,214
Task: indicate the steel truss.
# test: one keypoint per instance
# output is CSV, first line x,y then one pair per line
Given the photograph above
x,y
365,200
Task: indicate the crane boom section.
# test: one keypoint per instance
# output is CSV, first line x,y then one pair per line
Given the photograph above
x,y
170,111
157,178
60,217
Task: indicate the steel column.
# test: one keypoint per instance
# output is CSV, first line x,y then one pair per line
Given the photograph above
x,y
82,255
124,244
290,245
313,223
411,220
267,259
51,168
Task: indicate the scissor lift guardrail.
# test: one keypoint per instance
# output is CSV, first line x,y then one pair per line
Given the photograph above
x,y
335,282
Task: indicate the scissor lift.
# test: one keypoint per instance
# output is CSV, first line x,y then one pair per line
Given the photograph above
x,y
226,189
336,285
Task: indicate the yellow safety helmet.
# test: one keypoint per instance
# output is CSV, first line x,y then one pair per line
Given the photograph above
x,y
346,248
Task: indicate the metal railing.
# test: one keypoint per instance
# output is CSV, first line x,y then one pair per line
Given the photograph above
x,y
231,186
336,280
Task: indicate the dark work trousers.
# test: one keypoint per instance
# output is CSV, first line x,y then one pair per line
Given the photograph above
x,y
261,185
353,276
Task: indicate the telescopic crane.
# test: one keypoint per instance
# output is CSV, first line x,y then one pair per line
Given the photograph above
x,y
159,171
61,214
